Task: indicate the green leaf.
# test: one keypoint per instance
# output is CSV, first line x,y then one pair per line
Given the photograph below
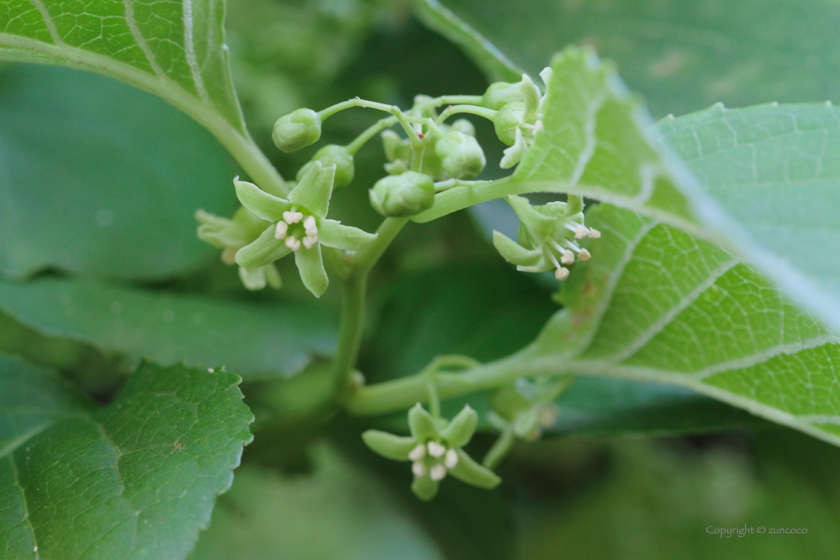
x,y
173,49
656,304
336,511
681,54
776,171
101,179
135,479
256,341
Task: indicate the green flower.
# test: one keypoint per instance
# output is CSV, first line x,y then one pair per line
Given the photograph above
x,y
230,235
527,407
434,450
298,225
547,236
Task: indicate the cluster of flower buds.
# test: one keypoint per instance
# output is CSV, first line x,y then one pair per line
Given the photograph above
x,y
230,235
519,116
434,449
452,154
403,195
548,236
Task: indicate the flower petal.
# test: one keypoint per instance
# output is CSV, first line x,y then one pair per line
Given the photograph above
x,y
333,234
424,487
264,250
471,472
266,206
538,225
252,278
421,423
389,445
314,190
311,268
514,252
461,429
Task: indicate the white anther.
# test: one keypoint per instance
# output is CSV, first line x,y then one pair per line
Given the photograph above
x,y
418,468
309,223
539,126
451,459
436,449
417,453
438,472
293,244
309,242
561,273
585,255
580,232
547,415
568,257
292,217
281,230
594,233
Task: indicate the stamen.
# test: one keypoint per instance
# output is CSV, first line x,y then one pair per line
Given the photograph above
x,y
293,244
561,273
451,459
594,233
281,230
309,242
417,453
418,468
585,255
435,449
568,257
438,472
554,259
309,223
580,232
292,217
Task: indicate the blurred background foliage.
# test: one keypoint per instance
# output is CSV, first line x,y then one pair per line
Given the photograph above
x,y
98,183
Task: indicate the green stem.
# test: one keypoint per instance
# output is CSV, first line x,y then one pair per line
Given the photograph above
x,y
387,231
350,331
500,449
392,109
488,114
372,131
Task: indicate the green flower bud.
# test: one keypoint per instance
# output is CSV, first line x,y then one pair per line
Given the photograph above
x,y
461,155
507,121
463,125
403,195
296,130
500,94
333,155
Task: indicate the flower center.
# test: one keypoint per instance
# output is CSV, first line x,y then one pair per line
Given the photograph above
x,y
297,229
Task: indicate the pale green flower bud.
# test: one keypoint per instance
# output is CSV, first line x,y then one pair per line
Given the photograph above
x,y
296,130
403,195
463,125
500,94
507,121
461,155
333,155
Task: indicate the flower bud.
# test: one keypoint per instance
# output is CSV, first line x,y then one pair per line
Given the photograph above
x,y
463,125
461,155
333,155
507,121
500,94
403,195
296,130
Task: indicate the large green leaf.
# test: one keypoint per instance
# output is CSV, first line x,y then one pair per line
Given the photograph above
x,y
173,49
656,304
683,55
335,511
255,341
101,179
136,479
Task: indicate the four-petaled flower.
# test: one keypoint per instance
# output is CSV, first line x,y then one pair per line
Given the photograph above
x,y
546,236
434,449
298,225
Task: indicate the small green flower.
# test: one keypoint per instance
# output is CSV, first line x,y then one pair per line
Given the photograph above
x,y
434,451
230,235
298,225
519,117
527,407
398,150
547,236
460,154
